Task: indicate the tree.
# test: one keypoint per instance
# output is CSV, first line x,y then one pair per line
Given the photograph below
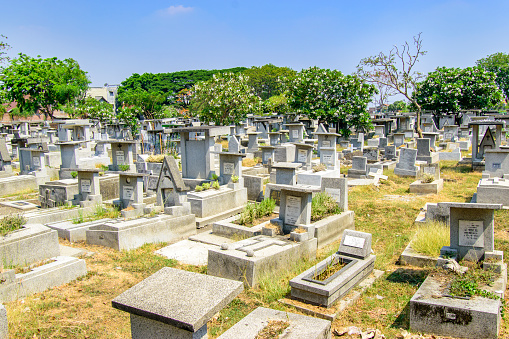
x,y
4,46
43,84
225,99
148,103
129,116
265,80
276,104
396,70
331,96
168,84
453,89
91,108
398,106
498,63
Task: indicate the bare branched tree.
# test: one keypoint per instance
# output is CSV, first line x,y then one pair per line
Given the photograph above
x,y
395,70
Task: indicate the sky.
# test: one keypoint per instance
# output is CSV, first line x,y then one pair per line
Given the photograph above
x,y
113,39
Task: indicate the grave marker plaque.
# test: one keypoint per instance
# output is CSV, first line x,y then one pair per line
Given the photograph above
x,y
85,186
229,168
354,241
120,157
326,143
327,158
471,233
128,192
295,134
292,211
36,161
302,155
496,166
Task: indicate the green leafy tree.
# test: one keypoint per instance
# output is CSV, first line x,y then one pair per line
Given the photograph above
x,y
331,96
4,46
398,106
91,108
453,89
130,117
168,84
225,99
276,104
396,70
149,103
498,63
265,80
43,84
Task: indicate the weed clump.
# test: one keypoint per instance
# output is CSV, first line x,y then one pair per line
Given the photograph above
x,y
256,211
430,238
322,206
11,223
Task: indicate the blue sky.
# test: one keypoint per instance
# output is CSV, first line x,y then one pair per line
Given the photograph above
x,y
113,39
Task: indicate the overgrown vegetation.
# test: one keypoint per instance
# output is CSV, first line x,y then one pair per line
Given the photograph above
x,y
124,167
322,206
319,168
252,212
100,212
430,238
273,329
11,223
427,178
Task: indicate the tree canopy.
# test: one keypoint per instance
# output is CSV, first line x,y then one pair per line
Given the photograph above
x,y
398,106
265,80
396,71
168,84
4,46
42,84
225,99
453,89
91,108
330,96
498,63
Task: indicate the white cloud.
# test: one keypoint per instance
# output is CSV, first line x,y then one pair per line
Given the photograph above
x,y
175,10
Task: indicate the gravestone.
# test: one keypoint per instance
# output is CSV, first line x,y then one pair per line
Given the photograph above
x,y
252,145
285,173
431,169
406,164
380,130
5,158
274,138
390,152
296,132
371,153
329,158
382,143
295,206
267,154
487,142
130,190
359,168
233,145
424,153
230,164
433,137
496,162
303,154
355,244
170,187
399,139
89,188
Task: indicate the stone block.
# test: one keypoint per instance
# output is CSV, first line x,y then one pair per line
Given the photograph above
x,y
476,317
301,326
188,305
355,244
211,202
74,232
418,187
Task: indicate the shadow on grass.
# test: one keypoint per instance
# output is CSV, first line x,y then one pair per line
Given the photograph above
x,y
403,319
408,276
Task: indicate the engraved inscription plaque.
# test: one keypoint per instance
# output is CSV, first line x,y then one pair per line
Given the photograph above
x,y
471,233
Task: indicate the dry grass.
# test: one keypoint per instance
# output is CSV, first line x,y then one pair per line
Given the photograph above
x,y
430,238
82,309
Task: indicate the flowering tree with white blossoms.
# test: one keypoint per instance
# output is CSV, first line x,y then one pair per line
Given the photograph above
x,y
330,96
225,99
452,89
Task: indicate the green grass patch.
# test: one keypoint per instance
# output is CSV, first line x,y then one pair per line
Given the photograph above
x,y
11,223
430,238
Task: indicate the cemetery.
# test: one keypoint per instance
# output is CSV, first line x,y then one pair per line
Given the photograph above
x,y
219,204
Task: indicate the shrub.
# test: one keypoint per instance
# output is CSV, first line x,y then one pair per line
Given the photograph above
x,y
74,174
430,238
198,188
214,176
322,206
215,185
155,158
265,207
11,223
235,178
124,168
427,178
248,214
255,211
206,185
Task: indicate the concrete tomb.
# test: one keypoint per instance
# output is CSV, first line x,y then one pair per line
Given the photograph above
x,y
354,254
359,168
303,153
296,132
174,303
424,153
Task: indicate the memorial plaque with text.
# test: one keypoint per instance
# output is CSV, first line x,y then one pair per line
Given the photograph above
x,y
471,233
327,158
326,143
295,134
228,168
85,186
128,192
293,209
36,161
120,157
302,155
354,241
